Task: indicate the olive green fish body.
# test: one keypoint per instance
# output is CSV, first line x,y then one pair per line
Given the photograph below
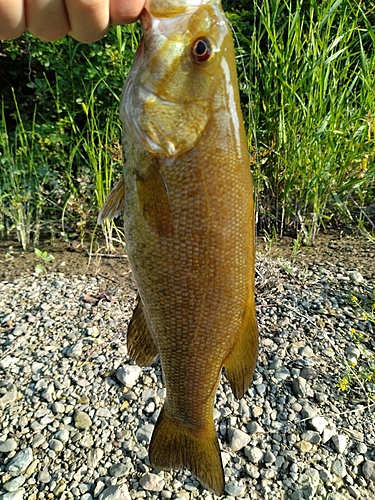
x,y
189,225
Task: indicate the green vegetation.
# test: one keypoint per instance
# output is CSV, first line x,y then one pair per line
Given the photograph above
x,y
306,73
361,375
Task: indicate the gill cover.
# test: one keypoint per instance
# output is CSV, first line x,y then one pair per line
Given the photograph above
x,y
168,95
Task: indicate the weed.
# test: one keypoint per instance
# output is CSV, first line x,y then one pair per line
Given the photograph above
x,y
363,372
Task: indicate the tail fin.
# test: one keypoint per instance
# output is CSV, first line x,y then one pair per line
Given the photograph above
x,y
175,447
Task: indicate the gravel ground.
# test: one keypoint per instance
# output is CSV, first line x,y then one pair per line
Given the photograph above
x,y
76,414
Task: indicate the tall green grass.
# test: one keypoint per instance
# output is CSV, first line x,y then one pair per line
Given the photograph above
x,y
309,68
59,156
306,76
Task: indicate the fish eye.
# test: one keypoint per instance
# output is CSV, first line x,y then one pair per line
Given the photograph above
x,y
201,50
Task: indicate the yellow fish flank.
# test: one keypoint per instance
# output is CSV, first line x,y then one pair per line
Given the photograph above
x,y
187,200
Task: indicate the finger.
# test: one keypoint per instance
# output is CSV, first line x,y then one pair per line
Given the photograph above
x,y
12,19
47,19
89,19
122,12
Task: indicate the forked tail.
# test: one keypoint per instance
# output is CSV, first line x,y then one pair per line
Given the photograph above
x,y
174,446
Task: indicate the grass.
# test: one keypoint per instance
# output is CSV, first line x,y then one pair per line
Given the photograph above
x,y
306,72
309,71
361,373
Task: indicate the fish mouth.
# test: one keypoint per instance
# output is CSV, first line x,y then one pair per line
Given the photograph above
x,y
163,17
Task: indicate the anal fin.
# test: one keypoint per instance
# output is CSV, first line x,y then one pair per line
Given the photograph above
x,y
114,204
141,345
175,446
241,362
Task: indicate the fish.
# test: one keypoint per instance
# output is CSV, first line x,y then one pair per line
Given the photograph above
x,y
187,199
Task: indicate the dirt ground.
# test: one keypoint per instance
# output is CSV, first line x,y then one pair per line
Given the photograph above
x,y
352,252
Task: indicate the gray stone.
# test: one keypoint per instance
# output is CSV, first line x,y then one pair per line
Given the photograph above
x,y
328,432
340,442
86,496
48,394
338,468
8,398
38,440
14,484
144,433
269,457
319,424
356,277
103,412
99,487
312,437
8,445
252,471
325,476
254,454
309,411
93,457
20,462
128,375
75,351
62,435
235,488
299,387
237,439
306,351
254,428
14,495
44,476
282,373
151,482
58,407
368,470
56,445
82,420
120,469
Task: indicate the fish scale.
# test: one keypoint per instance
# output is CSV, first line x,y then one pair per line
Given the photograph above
x,y
189,225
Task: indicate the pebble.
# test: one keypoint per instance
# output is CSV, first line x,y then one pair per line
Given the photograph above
x,y
8,445
14,495
14,484
339,468
20,462
152,482
368,470
119,470
118,492
128,375
235,488
340,442
237,439
94,457
319,424
82,420
77,414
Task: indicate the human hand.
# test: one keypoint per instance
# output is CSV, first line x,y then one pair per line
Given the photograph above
x,y
85,20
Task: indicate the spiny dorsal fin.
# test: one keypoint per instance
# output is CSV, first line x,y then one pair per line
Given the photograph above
x,y
175,446
114,204
141,345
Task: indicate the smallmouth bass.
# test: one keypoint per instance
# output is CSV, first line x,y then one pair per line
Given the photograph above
x,y
187,199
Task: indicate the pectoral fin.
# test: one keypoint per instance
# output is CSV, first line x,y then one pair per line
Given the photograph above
x,y
141,345
240,364
154,199
114,204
